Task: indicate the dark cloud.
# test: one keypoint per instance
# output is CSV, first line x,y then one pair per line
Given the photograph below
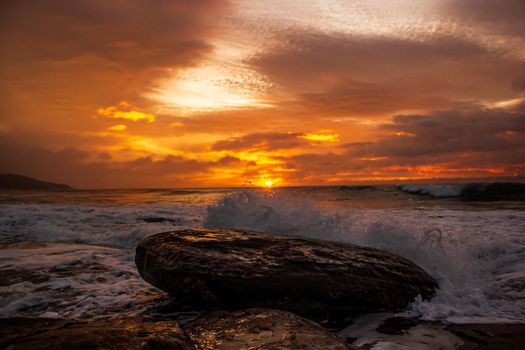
x,y
325,54
481,131
232,161
85,170
61,60
69,58
357,98
134,33
455,143
471,141
261,141
364,75
518,84
504,16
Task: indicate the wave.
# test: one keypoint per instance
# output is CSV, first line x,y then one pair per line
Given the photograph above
x,y
277,212
274,213
357,188
477,263
114,226
434,190
478,256
71,281
471,191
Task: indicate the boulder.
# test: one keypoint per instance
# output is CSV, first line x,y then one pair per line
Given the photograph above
x,y
48,334
313,278
261,329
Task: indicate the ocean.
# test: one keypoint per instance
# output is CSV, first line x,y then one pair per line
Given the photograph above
x,y
70,254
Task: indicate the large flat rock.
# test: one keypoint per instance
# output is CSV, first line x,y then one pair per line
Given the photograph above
x,y
133,334
242,268
261,329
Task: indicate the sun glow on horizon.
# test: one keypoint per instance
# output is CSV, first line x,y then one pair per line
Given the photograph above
x,y
268,182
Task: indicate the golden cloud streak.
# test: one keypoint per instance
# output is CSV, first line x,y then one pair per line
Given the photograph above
x,y
321,137
119,127
125,110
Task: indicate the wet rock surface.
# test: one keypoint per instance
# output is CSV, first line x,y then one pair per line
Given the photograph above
x,y
396,325
421,334
261,329
313,278
489,336
39,333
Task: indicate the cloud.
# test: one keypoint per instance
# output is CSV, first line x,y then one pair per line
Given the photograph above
x,y
478,131
135,33
455,144
341,74
260,141
323,136
379,91
125,110
479,142
503,16
518,84
273,141
230,161
470,143
69,58
98,170
118,127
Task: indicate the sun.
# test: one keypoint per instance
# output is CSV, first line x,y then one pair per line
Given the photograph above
x,y
268,182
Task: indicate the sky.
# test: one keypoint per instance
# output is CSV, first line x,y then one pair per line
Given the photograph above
x,y
208,93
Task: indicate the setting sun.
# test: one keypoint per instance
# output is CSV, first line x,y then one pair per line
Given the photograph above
x,y
268,183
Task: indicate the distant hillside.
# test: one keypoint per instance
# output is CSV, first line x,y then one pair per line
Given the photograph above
x,y
19,182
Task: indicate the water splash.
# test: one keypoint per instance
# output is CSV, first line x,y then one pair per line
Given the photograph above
x,y
472,265
275,213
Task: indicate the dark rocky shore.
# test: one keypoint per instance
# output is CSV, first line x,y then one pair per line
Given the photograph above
x,y
261,329
41,333
255,289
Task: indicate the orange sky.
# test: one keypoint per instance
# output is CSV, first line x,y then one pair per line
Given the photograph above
x,y
191,93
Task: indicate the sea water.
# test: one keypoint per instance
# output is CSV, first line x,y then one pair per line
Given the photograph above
x,y
70,254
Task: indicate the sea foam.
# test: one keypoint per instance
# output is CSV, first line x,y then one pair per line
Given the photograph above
x,y
435,190
477,256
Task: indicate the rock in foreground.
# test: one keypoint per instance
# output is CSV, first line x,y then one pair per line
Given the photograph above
x,y
242,268
489,336
47,334
261,329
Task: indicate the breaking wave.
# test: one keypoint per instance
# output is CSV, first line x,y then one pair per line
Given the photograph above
x,y
471,191
477,255
478,263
